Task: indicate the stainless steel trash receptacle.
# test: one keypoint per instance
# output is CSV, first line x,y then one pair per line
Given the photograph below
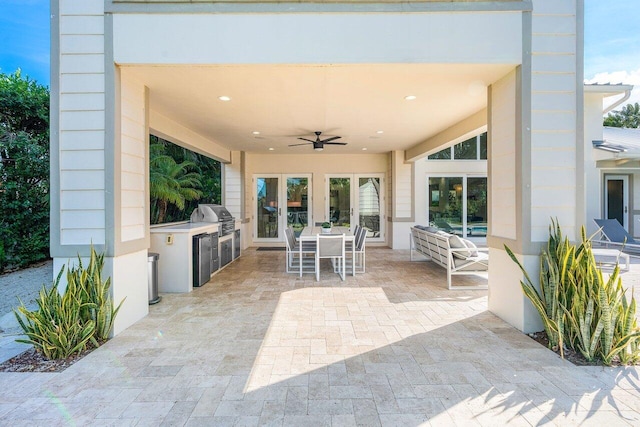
x,y
152,275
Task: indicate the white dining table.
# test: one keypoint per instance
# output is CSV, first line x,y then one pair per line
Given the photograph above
x,y
310,233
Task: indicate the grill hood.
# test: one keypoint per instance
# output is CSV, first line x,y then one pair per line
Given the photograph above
x,y
211,213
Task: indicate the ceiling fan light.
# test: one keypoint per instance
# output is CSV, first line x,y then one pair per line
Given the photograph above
x,y
318,148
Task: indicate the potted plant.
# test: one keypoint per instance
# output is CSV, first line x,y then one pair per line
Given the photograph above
x,y
326,227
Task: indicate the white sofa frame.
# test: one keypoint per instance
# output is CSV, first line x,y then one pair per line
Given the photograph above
x,y
435,247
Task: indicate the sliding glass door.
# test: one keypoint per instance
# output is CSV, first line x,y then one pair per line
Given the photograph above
x,y
280,201
458,204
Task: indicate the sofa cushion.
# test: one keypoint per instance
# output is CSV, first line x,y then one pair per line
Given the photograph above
x,y
456,242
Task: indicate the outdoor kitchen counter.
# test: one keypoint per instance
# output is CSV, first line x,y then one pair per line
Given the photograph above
x,y
174,243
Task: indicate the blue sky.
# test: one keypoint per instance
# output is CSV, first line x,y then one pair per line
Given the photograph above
x,y
612,40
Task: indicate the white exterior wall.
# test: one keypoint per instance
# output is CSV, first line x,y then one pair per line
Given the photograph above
x,y
129,279
232,191
593,131
402,187
81,123
506,299
133,161
554,117
345,38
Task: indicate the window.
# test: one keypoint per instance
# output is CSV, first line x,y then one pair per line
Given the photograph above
x,y
458,204
472,149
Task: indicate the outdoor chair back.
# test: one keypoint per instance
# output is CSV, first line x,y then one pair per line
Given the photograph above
x,y
331,246
614,232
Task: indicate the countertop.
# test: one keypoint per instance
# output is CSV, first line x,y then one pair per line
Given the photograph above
x,y
183,228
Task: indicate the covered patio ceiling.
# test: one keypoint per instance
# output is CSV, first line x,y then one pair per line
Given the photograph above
x,y
363,103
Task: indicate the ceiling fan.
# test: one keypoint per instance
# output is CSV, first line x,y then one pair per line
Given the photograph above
x,y
319,144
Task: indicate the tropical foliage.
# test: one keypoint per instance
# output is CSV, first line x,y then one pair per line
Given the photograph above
x,y
579,308
24,171
69,322
627,117
179,180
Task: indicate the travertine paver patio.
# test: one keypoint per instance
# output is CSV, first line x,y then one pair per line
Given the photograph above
x,y
260,347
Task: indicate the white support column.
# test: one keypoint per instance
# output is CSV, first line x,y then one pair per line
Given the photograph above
x,y
99,156
535,161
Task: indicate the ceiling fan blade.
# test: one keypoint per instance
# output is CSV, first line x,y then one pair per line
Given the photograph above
x,y
295,145
335,143
305,139
331,139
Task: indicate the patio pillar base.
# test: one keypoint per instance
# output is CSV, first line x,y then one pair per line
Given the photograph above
x,y
506,299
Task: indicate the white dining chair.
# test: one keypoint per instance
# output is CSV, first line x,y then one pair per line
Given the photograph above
x,y
355,250
300,254
331,246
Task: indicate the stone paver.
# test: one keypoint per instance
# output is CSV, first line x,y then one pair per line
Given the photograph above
x,y
259,347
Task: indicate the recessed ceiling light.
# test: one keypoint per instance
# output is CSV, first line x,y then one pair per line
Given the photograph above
x,y
255,132
380,131
271,148
410,97
364,149
224,98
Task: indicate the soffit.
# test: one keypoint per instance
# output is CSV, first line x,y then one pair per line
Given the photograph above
x,y
283,102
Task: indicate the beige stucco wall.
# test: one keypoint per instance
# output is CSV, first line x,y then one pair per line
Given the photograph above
x,y
132,197
502,153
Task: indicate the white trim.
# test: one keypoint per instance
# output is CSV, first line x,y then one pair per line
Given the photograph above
x,y
465,177
354,213
282,211
625,197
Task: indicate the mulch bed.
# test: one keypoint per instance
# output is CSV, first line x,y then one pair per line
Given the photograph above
x,y
33,361
572,356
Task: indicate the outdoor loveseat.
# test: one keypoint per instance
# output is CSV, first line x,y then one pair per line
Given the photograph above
x,y
457,255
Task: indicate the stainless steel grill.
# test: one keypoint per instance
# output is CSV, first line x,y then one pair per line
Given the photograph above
x,y
215,213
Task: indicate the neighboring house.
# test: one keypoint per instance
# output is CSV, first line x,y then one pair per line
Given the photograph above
x,y
399,81
612,161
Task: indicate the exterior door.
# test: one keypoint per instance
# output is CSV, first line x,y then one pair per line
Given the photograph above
x,y
280,201
298,196
616,199
357,199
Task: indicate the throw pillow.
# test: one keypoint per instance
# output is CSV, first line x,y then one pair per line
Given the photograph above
x,y
456,242
472,246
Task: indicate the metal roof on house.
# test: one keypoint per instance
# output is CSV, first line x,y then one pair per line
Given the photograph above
x,y
619,140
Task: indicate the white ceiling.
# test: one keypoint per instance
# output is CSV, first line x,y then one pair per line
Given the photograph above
x,y
283,102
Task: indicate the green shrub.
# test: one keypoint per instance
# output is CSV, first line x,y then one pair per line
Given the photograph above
x,y
56,328
97,304
24,170
579,309
68,323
